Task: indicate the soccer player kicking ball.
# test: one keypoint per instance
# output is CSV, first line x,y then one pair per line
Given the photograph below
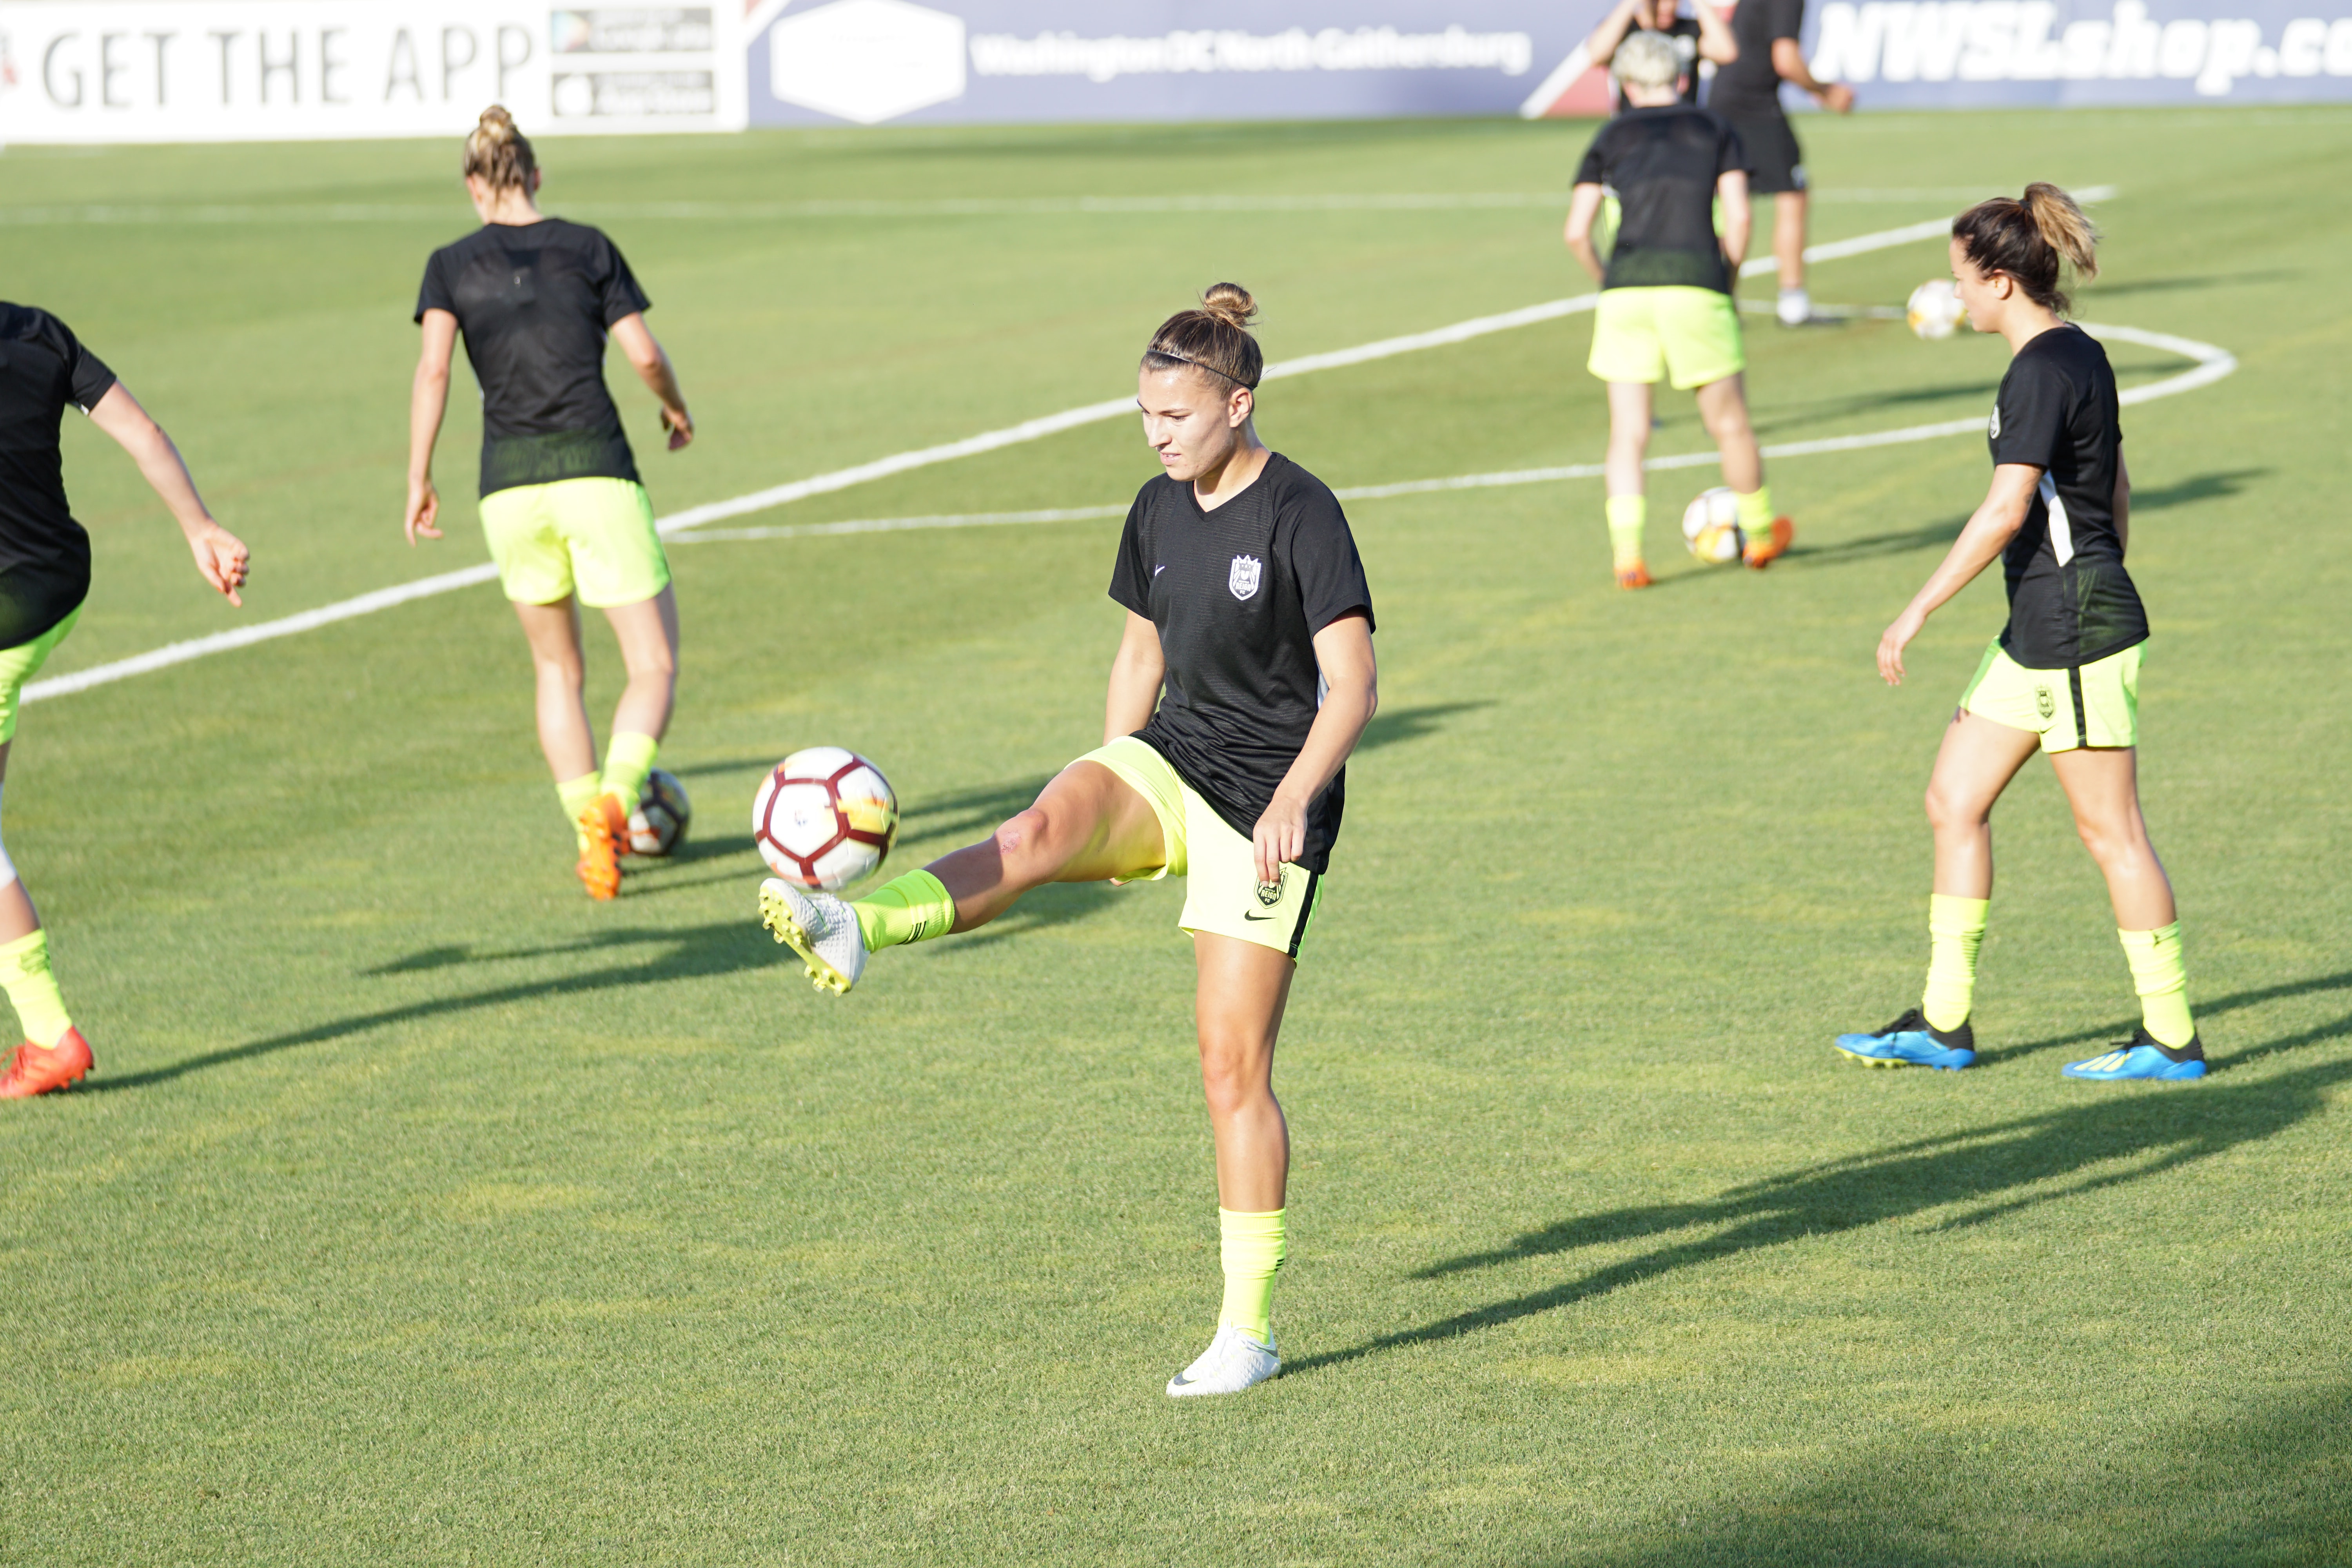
x,y
1665,307
44,576
2063,675
1221,763
568,521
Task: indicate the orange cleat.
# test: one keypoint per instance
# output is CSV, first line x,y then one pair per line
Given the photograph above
x,y
1637,575
603,830
35,1071
1784,533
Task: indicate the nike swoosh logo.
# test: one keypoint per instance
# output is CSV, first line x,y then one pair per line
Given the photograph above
x,y
1247,916
1156,570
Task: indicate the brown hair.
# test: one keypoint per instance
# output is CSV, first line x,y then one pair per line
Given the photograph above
x,y
499,152
2030,240
1215,338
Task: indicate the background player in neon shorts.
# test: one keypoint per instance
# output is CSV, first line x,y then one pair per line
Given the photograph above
x,y
43,577
1702,35
1747,93
1242,589
2063,675
568,521
1665,310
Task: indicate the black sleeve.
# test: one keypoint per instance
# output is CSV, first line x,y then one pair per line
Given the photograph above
x,y
2031,416
1323,559
433,294
87,378
1130,578
1787,19
1591,171
617,285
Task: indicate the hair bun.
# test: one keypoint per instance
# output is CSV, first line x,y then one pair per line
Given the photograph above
x,y
496,124
1231,304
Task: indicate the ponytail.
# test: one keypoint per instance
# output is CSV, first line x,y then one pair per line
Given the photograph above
x,y
2030,240
1215,338
499,152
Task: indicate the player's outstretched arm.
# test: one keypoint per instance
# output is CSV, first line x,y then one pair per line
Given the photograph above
x,y
1583,207
1351,680
1789,61
1137,672
220,555
428,399
1714,40
1602,46
652,368
1996,522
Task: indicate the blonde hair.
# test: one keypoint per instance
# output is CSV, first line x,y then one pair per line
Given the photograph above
x,y
1215,338
2031,240
1646,59
499,152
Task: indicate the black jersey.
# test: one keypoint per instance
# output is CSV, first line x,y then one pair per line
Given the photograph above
x,y
44,552
535,301
1749,87
1662,163
1238,594
1684,34
2069,599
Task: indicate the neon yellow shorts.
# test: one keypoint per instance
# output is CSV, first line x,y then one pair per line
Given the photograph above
x,y
1651,335
1221,892
20,664
2094,704
591,537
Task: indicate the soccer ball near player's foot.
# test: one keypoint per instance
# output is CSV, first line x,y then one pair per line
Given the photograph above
x,y
658,825
1934,310
1711,527
824,818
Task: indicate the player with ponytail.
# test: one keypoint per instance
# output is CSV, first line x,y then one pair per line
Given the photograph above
x,y
568,521
2063,675
1244,677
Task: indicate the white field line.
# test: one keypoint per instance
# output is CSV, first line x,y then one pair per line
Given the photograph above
x,y
1028,430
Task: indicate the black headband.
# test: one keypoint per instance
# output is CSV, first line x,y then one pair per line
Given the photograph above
x,y
1200,364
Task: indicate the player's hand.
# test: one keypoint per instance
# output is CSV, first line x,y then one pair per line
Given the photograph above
x,y
424,507
680,425
1892,642
222,557
1837,97
1280,836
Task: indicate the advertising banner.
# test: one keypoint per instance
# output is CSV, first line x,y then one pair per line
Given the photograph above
x,y
298,69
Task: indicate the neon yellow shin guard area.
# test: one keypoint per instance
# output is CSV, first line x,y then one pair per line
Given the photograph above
x,y
33,990
2160,975
1756,517
1956,929
1627,517
906,908
1251,1246
628,761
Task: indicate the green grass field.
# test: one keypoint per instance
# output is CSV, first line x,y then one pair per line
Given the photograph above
x,y
422,1211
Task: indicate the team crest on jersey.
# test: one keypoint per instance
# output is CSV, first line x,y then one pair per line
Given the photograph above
x,y
2044,703
1269,894
1244,578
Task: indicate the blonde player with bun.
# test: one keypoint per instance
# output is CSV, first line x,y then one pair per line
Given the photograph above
x,y
1243,679
2063,675
1665,310
568,521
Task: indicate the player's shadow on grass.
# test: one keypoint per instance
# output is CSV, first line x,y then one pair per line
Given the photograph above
x,y
2090,294
2199,487
1988,1173
1871,546
1813,410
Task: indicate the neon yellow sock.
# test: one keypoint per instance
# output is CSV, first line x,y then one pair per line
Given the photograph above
x,y
903,910
1956,929
628,761
33,990
1627,514
577,795
2158,973
1755,516
1251,1246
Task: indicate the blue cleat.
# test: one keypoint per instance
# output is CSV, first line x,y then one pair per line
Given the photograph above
x,y
2143,1056
1912,1042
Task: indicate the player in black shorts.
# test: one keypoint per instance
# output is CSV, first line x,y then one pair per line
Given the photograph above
x,y
1243,681
1747,93
2063,675
567,520
1699,39
44,576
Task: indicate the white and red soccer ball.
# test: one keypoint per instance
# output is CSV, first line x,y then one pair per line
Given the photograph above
x,y
824,818
1711,527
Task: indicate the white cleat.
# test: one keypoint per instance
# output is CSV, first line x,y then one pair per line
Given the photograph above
x,y
819,927
1232,1361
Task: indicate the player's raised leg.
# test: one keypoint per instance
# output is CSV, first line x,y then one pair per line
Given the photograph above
x,y
1975,764
54,1053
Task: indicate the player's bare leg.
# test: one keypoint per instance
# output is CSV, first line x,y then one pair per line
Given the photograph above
x,y
54,1054
1723,408
1628,505
1789,217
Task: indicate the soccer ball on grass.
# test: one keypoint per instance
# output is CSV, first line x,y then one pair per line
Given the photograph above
x,y
824,818
658,825
1934,311
1711,527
